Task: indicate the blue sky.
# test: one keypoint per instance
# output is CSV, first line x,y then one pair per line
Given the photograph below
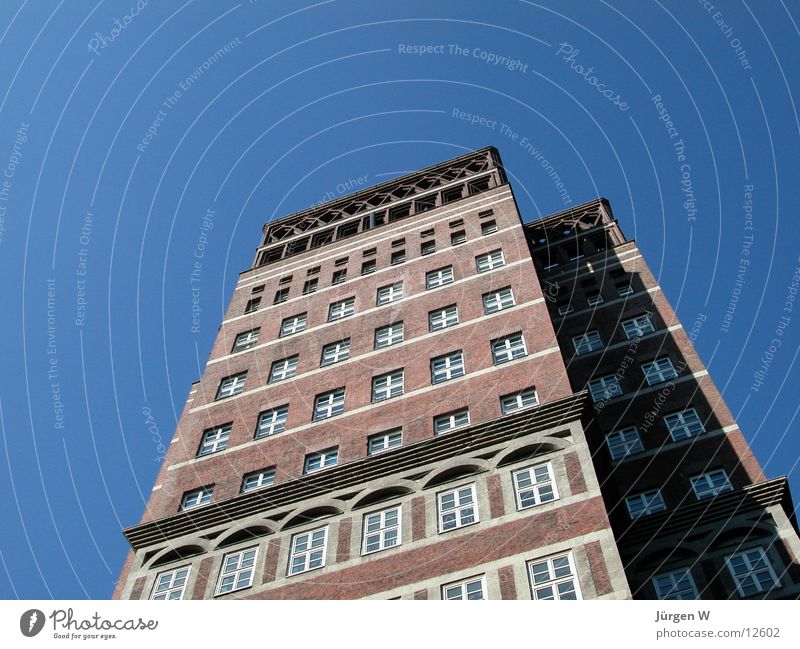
x,y
116,139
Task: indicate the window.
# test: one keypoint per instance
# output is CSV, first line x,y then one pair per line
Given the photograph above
x,y
192,499
308,551
457,223
398,257
604,387
457,508
710,484
214,439
752,572
339,276
258,289
624,442
535,485
398,242
439,277
310,286
293,325
450,421
285,280
341,261
382,530
490,261
369,252
457,238
485,214
488,227
273,421
281,295
341,309
677,584
638,326
369,266
384,441
645,503
335,352
565,308
554,578
170,585
588,342
245,340
387,386
472,588
498,300
321,460
659,370
329,404
283,369
389,293
594,299
252,305
427,233
682,425
443,318
427,247
518,401
508,348
452,194
313,270
258,479
231,385
389,335
237,571
449,366
624,289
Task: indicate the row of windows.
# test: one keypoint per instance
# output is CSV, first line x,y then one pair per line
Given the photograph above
x,y
594,297
273,421
657,371
683,424
633,328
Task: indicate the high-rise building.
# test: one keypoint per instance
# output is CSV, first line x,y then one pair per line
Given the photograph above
x,y
414,394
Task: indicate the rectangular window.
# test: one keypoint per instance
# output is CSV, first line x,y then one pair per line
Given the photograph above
x,y
427,247
369,266
677,584
638,326
382,530
214,439
389,335
341,261
384,441
387,386
443,318
245,340
339,276
565,308
389,293
398,257
452,194
237,571
554,578
293,325
485,214
231,385
258,289
196,498
604,387
283,369
310,286
170,585
535,485
313,270
321,460
710,484
285,280
490,261
685,424
308,551
586,343
488,227
258,479
457,508
427,233
252,305
450,421
472,588
659,370
624,442
498,300
449,366
335,352
594,299
398,242
457,223
458,237
341,309
369,252
273,421
518,401
281,295
508,348
329,404
645,503
439,277
624,289
752,572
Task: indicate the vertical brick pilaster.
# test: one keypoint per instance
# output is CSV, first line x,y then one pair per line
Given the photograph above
x,y
495,487
508,589
271,562
203,575
572,464
421,594
418,518
343,547
597,563
138,587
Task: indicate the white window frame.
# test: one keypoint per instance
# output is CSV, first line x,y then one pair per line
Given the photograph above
x,y
272,421
498,300
197,498
746,557
605,387
263,478
564,309
555,576
624,442
535,485
335,352
341,309
587,342
327,458
231,385
387,386
458,237
214,440
460,590
676,584
594,300
439,277
169,583
489,227
517,401
446,367
393,334
385,527
659,370
312,552
389,293
380,442
639,326
241,566
285,368
624,290
293,325
684,423
246,340
708,484
443,318
329,404
506,349
645,503
489,261
464,500
451,419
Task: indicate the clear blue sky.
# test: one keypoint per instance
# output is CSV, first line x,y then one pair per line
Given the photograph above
x,y
142,129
